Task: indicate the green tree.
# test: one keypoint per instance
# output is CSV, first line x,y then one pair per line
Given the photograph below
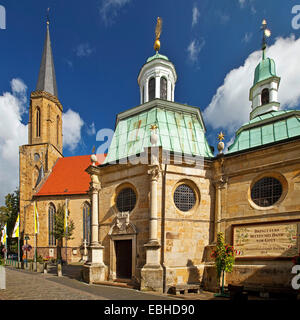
x,y
59,228
9,214
224,259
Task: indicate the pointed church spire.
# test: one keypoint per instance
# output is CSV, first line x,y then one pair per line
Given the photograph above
x,y
47,80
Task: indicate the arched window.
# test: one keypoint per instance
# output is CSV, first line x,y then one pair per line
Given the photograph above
x,y
35,176
151,89
143,95
51,225
87,223
265,97
163,88
38,122
57,130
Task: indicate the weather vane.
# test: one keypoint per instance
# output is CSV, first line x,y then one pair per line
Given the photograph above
x,y
158,30
266,34
221,136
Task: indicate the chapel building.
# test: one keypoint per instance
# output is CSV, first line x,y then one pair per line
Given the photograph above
x,y
150,210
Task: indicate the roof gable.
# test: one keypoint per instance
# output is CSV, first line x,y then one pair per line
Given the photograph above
x,y
68,176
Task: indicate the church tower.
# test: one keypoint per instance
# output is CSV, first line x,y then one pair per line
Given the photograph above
x,y
264,92
45,142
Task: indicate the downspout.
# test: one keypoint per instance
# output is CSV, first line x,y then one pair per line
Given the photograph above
x,y
163,227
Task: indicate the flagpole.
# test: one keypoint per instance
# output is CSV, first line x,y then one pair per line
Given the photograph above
x,y
66,208
5,254
18,249
35,227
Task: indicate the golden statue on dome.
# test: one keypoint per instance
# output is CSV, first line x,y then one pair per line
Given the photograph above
x,y
158,30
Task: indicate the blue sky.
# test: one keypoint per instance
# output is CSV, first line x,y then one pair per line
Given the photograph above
x,y
99,47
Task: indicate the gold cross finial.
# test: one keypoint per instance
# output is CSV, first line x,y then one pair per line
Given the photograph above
x,y
93,150
266,34
221,136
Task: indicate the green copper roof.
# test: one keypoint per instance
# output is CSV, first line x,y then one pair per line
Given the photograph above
x,y
268,128
265,69
178,132
157,56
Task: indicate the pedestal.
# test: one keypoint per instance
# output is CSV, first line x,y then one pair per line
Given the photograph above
x,y
94,270
152,272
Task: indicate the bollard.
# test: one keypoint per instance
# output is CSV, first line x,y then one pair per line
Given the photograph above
x,y
59,270
2,278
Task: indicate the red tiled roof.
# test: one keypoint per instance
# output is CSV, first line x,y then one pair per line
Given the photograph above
x,y
68,176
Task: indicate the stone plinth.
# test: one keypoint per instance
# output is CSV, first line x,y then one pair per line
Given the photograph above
x,y
93,273
94,270
152,278
152,272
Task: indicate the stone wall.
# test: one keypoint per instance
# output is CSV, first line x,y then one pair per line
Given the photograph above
x,y
281,161
76,203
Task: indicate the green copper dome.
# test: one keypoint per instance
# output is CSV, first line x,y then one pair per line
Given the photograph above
x,y
157,56
265,69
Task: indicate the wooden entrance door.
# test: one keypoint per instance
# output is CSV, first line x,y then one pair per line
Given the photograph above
x,y
123,258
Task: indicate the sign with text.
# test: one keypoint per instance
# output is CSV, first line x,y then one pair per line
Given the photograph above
x,y
266,240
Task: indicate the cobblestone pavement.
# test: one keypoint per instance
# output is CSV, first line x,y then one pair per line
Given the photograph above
x,y
26,285
23,285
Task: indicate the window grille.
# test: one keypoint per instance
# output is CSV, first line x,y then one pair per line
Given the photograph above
x,y
266,192
184,197
126,200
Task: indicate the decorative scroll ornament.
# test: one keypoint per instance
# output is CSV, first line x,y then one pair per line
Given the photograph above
x,y
154,172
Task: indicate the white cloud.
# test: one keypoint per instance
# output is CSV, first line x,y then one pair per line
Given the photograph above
x,y
69,63
84,50
109,9
72,124
230,106
242,3
196,15
224,17
194,49
91,129
247,37
13,133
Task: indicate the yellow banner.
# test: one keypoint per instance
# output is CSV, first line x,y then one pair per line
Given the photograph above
x,y
16,231
267,240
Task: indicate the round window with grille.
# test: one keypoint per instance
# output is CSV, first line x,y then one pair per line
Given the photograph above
x,y
184,197
266,191
126,200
